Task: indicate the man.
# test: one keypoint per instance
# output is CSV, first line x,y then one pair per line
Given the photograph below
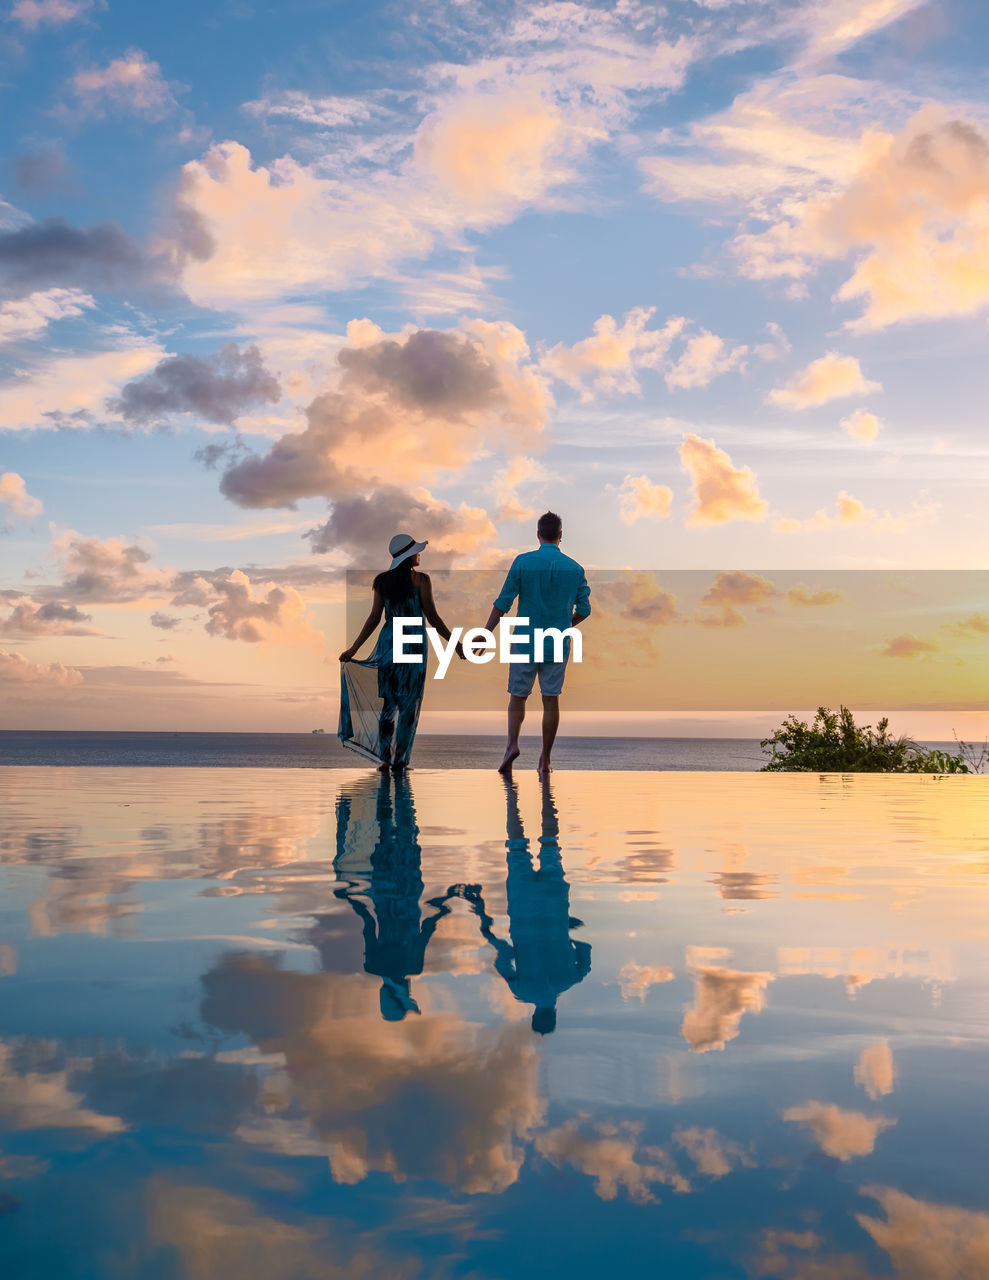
x,y
552,591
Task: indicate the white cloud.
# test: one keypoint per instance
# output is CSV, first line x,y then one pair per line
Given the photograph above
x,y
27,317
69,390
131,83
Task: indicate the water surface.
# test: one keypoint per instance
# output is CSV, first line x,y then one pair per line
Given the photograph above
x,y
280,1024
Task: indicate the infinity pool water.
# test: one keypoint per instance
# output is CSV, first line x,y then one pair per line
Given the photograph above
x,y
288,1025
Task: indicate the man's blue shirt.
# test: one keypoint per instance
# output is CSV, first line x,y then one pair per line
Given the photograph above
x,y
549,587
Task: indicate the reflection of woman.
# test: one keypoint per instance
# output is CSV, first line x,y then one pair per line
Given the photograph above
x,y
395,935
379,698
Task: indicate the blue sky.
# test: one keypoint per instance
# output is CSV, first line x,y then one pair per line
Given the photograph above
x,y
708,278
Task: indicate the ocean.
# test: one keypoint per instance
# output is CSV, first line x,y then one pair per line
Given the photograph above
x,y
324,751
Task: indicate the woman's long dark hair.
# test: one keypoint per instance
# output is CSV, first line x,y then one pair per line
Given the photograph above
x,y
396,584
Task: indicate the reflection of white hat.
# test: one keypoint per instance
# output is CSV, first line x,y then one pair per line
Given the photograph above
x,y
402,546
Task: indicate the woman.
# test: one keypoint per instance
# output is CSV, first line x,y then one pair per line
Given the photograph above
x,y
380,699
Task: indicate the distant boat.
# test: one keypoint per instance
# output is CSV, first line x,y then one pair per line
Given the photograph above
x,y
319,730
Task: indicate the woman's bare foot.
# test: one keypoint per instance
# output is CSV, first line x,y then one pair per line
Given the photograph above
x,y
511,754
384,766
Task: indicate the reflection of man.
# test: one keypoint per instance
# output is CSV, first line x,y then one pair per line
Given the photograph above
x,y
552,592
542,960
395,937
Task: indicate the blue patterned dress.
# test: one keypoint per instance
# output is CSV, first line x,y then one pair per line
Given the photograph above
x,y
380,699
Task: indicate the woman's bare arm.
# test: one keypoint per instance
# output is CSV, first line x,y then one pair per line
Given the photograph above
x,y
370,623
429,609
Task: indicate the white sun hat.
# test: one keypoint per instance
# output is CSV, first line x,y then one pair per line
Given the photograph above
x,y
402,546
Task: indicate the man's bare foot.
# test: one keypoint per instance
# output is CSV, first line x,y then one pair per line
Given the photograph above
x,y
511,754
544,768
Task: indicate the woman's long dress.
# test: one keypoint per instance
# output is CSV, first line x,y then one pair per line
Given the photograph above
x,y
380,699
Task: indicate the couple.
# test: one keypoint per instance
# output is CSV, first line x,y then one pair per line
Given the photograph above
x,y
380,699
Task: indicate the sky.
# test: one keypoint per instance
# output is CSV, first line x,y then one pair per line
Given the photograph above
x,y
279,281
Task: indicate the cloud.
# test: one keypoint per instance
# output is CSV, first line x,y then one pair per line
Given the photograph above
x,y
837,24
476,1087
607,361
839,1133
639,499
862,425
832,377
285,230
15,498
928,1241
218,388
15,669
54,13
721,997
875,1070
163,621
69,390
705,358
132,83
44,254
505,488
976,624
45,1100
802,595
852,512
106,571
237,612
907,646
913,214
610,1158
402,410
22,318
493,154
636,979
361,527
713,1155
722,492
42,171
325,112
730,591
29,618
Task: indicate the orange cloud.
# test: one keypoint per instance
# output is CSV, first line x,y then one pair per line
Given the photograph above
x,y
713,1155
907,646
862,425
705,357
832,377
721,997
607,361
929,1241
875,1070
640,499
851,511
839,1133
636,979
731,589
15,669
722,492
610,1159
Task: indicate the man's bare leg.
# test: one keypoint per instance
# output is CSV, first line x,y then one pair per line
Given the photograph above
x,y
516,714
551,722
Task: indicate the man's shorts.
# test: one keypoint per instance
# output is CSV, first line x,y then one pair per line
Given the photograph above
x,y
522,676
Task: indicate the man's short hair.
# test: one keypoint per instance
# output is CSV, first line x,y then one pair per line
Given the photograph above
x,y
549,526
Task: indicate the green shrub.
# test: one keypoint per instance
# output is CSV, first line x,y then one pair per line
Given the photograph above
x,y
834,743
